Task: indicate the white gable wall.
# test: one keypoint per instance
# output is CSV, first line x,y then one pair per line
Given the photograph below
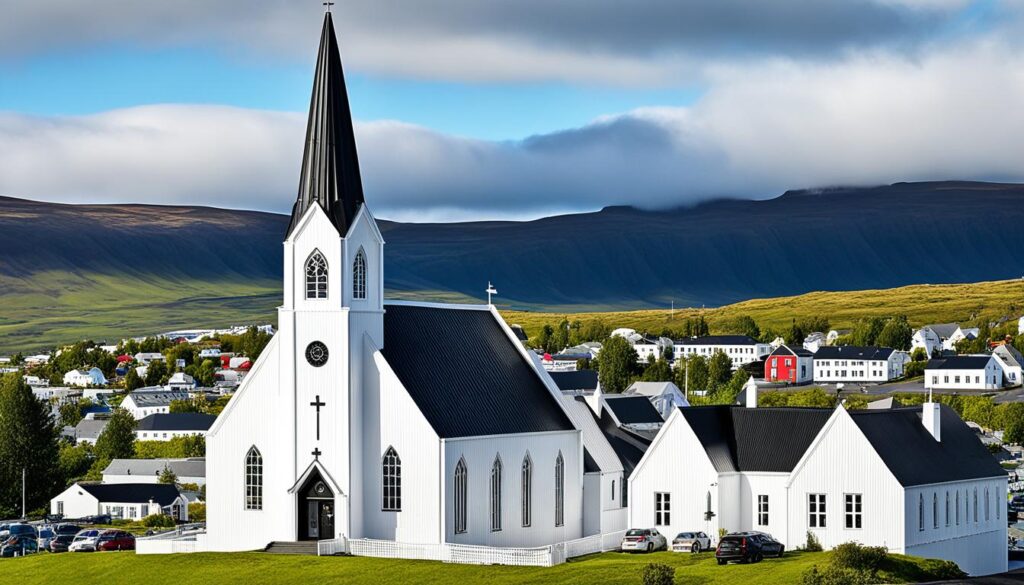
x,y
543,448
677,464
74,502
773,485
840,462
403,427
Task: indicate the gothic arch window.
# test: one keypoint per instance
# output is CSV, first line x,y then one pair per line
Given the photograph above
x,y
975,504
958,507
461,481
253,479
559,490
391,484
920,511
935,510
496,494
359,275
527,487
947,508
316,276
987,509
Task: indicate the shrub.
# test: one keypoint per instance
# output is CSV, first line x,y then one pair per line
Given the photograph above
x,y
813,544
722,532
197,512
834,575
658,574
158,521
853,555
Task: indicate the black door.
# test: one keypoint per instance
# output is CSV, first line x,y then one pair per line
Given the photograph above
x,y
316,513
326,519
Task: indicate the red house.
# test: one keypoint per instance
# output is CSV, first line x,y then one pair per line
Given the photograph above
x,y
789,364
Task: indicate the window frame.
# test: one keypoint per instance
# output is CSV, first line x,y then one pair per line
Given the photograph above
x,y
526,479
495,494
853,511
391,481
559,490
316,277
817,511
253,479
359,276
461,496
762,509
662,508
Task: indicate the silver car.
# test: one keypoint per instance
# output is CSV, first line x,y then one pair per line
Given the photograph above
x,y
643,540
691,542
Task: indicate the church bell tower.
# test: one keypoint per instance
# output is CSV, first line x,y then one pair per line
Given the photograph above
x,y
332,309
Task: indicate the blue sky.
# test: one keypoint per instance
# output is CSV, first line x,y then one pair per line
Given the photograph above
x,y
510,109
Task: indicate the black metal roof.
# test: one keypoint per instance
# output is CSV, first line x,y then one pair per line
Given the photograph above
x,y
959,362
633,409
852,352
915,458
575,380
718,340
491,390
131,493
330,166
789,350
629,447
755,439
176,421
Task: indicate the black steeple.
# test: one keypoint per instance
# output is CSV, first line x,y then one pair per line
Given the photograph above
x,y
330,167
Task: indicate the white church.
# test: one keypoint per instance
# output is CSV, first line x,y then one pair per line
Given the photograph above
x,y
366,418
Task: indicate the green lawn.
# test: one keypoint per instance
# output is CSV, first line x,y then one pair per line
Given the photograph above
x,y
258,568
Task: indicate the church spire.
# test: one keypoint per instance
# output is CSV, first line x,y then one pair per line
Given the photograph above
x,y
330,167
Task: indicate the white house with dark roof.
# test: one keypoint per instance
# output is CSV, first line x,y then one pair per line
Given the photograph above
x,y
848,363
367,419
125,501
963,372
151,400
842,475
741,349
166,426
81,378
634,412
1010,361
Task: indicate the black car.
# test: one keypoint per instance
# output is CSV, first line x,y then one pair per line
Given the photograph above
x,y
19,545
747,547
1017,503
97,519
61,542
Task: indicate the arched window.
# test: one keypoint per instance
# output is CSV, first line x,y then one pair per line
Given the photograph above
x,y
496,495
920,511
987,508
975,504
559,490
461,481
947,508
935,510
316,276
527,487
613,490
391,481
359,275
958,507
253,479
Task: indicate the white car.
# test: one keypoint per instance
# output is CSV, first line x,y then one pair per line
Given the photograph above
x,y
85,541
691,542
643,540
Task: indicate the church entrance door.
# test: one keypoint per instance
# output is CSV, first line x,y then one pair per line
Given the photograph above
x,y
316,513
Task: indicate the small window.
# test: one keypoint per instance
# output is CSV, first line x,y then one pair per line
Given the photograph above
x,y
613,490
947,508
986,505
316,276
496,495
935,510
853,511
253,479
527,481
359,275
391,475
816,510
559,490
975,505
762,510
662,509
460,496
958,507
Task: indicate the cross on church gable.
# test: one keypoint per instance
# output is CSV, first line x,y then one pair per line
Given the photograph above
x,y
318,403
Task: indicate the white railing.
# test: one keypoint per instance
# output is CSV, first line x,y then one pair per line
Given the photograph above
x,y
171,543
594,544
331,546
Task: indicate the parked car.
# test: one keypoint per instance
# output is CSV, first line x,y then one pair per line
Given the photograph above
x,y
1017,503
46,534
19,545
71,529
643,540
97,519
21,529
61,542
692,542
747,547
85,541
115,540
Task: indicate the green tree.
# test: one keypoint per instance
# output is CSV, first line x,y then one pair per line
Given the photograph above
x,y
692,374
70,413
252,343
74,461
746,325
167,476
719,370
919,355
185,406
545,339
117,441
28,441
1013,432
156,373
813,324
896,334
866,331
561,335
727,393
617,364
796,335
658,371
132,380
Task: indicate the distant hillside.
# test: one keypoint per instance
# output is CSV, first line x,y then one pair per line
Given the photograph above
x,y
108,270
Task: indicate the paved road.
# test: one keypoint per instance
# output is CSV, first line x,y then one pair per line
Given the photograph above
x,y
1011,578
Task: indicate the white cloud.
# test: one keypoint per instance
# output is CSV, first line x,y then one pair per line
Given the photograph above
x,y
760,129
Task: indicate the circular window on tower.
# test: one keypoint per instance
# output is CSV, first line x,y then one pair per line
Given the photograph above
x,y
320,488
316,354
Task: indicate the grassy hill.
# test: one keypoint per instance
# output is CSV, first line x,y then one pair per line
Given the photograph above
x,y
922,304
260,568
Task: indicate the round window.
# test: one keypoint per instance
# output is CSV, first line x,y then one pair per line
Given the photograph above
x,y
316,354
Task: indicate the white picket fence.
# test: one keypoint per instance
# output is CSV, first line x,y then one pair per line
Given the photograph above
x,y
541,556
171,543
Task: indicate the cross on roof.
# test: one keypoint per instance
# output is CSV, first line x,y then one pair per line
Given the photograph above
x,y
328,5
318,403
316,453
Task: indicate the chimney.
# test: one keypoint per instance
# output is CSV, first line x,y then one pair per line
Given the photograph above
x,y
930,417
751,389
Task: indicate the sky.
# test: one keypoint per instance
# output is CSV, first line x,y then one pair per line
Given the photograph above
x,y
509,109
